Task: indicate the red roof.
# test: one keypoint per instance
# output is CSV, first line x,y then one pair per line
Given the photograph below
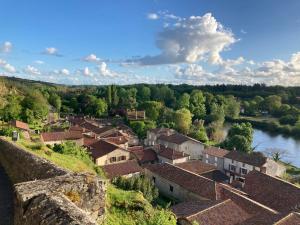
x,y
101,148
117,140
20,125
272,192
61,136
196,166
214,151
76,128
88,141
143,155
121,169
197,184
171,154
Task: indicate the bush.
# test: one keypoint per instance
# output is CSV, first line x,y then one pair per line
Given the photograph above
x,y
6,131
142,184
288,119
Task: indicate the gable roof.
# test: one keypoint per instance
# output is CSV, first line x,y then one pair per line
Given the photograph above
x,y
121,169
196,166
223,213
102,130
291,219
20,125
175,138
117,140
101,148
272,192
61,136
143,155
254,159
214,151
188,208
171,154
194,183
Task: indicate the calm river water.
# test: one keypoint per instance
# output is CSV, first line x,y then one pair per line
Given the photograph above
x,y
264,141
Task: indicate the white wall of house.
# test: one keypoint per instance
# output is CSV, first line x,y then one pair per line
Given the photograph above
x,y
273,168
192,148
180,160
151,138
172,189
214,160
104,160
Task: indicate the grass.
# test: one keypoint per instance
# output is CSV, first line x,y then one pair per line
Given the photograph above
x,y
259,118
65,161
131,208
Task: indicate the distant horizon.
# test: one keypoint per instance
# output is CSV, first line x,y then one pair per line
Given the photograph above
x,y
194,42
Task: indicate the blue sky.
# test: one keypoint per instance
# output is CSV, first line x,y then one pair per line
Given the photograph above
x,y
134,41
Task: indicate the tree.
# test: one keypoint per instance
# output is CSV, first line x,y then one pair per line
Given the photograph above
x,y
12,110
138,127
184,101
100,107
272,103
128,98
183,120
109,96
55,101
144,94
198,132
232,107
152,109
238,142
217,114
197,104
276,153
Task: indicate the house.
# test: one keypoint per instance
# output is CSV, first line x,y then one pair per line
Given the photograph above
x,y
206,170
171,156
182,143
120,141
143,156
273,192
238,164
129,134
104,153
153,134
23,127
135,115
125,169
52,138
215,156
181,184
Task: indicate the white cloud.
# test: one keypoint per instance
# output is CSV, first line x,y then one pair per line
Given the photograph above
x,y
6,47
275,72
92,58
32,70
86,72
105,71
52,51
40,62
189,40
65,72
7,67
152,16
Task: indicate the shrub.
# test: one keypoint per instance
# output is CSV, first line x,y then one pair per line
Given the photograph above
x,y
6,131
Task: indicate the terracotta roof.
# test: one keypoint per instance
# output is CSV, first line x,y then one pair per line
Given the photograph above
x,y
102,130
192,182
101,148
272,192
224,213
60,136
162,130
88,141
171,154
143,155
176,138
117,140
291,219
121,169
20,125
76,128
216,175
188,208
114,134
196,166
88,126
214,151
254,159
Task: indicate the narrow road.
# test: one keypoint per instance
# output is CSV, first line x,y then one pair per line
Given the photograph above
x,y
6,199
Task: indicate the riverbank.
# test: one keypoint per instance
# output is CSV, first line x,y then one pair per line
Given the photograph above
x,y
269,124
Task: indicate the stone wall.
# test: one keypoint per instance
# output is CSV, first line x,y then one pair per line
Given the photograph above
x,y
46,194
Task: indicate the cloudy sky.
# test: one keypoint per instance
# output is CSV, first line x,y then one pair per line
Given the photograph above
x,y
153,41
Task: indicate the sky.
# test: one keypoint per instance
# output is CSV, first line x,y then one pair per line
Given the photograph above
x,y
155,41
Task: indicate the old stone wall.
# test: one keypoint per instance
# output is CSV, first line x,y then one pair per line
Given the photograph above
x,y
46,194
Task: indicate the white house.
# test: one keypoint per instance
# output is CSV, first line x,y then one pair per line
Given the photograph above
x,y
155,133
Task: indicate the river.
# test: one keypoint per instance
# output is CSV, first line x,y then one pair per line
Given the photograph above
x,y
263,141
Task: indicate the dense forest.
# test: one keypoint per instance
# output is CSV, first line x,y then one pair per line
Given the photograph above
x,y
199,111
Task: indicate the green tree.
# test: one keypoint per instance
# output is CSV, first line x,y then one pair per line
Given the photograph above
x,y
144,94
152,109
55,101
184,101
12,110
272,103
197,104
232,107
183,120
217,114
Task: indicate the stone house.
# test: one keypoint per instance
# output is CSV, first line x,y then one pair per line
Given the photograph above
x,y
238,164
181,184
23,127
104,153
135,115
126,169
51,138
182,143
171,156
214,156
155,133
143,155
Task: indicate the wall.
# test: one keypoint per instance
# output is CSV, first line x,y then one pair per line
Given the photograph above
x,y
105,160
42,190
213,160
238,165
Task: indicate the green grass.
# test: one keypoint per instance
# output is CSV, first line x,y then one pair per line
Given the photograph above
x,y
65,161
131,208
259,118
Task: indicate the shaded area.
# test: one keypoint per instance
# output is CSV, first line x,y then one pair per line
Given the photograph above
x,y
6,199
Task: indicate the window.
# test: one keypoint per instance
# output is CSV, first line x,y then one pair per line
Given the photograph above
x,y
171,188
243,164
216,159
122,158
113,159
243,171
154,179
206,156
232,168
